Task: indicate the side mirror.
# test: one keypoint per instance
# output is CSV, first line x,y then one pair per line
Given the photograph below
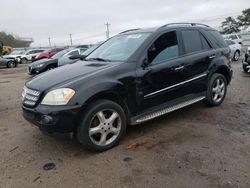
x,y
145,63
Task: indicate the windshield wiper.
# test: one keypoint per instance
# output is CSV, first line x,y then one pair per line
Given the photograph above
x,y
99,59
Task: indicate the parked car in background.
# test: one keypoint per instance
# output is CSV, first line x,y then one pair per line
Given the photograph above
x,y
246,61
9,63
74,58
84,46
29,54
132,78
234,37
48,53
235,49
43,65
15,55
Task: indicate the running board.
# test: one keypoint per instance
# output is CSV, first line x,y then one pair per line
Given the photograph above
x,y
168,110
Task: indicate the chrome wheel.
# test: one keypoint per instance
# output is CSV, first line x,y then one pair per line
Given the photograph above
x,y
218,90
24,60
236,56
11,64
105,127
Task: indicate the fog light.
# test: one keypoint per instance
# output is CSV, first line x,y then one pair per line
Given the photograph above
x,y
46,119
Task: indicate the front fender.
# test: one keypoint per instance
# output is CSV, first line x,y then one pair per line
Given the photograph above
x,y
92,91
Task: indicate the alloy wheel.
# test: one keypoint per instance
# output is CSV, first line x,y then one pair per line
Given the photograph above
x,y
236,56
11,64
105,127
218,90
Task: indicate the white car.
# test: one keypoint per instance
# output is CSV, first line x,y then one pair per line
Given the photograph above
x,y
234,37
14,55
235,49
65,59
29,54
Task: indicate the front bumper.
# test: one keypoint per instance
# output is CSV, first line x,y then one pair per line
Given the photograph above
x,y
60,119
35,70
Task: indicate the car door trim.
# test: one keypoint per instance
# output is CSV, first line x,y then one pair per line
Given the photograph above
x,y
173,86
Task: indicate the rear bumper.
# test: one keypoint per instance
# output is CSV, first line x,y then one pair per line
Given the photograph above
x,y
52,119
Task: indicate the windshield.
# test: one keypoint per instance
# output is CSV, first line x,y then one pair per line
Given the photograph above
x,y
118,48
17,52
88,51
60,54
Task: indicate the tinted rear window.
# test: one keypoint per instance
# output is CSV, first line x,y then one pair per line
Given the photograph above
x,y
217,40
192,41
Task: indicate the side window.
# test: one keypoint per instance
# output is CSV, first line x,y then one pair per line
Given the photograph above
x,y
33,52
192,41
82,50
205,44
164,48
216,39
75,52
233,37
30,52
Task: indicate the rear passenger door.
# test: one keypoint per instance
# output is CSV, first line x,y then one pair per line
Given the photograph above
x,y
198,54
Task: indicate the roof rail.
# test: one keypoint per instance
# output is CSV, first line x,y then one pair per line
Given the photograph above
x,y
129,30
192,24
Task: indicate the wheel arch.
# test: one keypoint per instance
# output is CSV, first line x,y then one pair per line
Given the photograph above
x,y
51,65
109,95
225,72
109,90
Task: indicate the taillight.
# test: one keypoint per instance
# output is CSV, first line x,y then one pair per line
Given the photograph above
x,y
229,59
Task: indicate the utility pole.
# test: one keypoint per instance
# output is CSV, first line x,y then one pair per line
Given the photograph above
x,y
107,32
49,42
70,37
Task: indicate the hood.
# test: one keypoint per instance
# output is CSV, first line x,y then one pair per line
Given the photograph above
x,y
4,60
69,73
11,56
42,61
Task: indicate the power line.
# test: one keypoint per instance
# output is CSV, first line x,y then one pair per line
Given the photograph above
x,y
49,42
71,42
107,32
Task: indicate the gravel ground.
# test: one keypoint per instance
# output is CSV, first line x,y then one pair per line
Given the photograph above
x,y
196,147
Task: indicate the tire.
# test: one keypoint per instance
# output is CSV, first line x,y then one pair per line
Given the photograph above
x,y
24,61
236,56
96,118
11,64
245,68
217,86
50,67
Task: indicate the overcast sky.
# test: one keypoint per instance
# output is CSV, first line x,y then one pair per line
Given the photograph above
x,y
41,19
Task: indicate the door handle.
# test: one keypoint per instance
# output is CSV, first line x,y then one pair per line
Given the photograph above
x,y
179,68
212,56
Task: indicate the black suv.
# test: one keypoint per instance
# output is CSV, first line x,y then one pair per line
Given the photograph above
x,y
133,77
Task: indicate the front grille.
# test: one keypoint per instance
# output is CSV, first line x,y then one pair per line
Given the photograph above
x,y
30,97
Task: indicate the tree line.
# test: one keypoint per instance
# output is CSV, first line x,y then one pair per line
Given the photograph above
x,y
10,40
232,25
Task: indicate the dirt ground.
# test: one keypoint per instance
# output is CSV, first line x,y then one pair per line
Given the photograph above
x,y
196,147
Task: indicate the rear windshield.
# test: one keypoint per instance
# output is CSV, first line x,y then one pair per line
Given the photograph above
x,y
216,38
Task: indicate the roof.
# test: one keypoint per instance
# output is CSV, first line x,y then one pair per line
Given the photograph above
x,y
170,25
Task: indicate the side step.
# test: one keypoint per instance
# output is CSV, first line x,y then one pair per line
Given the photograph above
x,y
167,110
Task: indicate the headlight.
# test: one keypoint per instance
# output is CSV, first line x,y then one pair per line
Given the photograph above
x,y
38,66
58,96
